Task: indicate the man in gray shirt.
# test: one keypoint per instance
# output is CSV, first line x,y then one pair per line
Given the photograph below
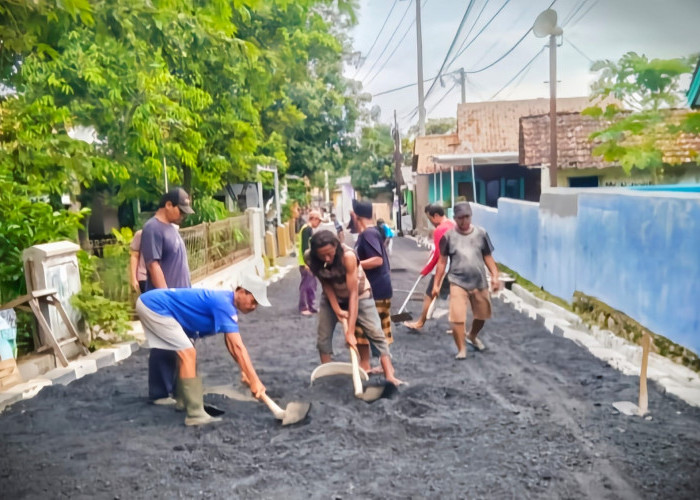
x,y
469,248
165,256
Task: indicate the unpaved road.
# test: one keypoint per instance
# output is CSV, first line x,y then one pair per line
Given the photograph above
x,y
529,418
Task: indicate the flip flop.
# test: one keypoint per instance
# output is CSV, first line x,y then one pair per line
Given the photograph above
x,y
477,344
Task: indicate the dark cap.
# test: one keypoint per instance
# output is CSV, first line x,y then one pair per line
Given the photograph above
x,y
178,197
362,209
462,208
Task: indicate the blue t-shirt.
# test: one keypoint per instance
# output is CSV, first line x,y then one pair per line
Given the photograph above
x,y
200,312
370,243
388,232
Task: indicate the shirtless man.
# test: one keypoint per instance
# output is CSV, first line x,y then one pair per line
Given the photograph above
x,y
346,296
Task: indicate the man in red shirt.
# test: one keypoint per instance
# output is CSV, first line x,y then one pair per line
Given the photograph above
x,y
437,217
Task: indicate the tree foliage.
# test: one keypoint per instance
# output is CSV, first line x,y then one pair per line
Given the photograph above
x,y
647,90
209,88
373,160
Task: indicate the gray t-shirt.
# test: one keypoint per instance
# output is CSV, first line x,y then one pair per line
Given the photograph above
x,y
466,253
162,242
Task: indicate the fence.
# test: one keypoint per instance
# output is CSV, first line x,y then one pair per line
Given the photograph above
x,y
210,246
213,245
635,251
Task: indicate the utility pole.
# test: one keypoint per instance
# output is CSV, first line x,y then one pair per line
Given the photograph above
x,y
462,82
421,95
546,25
397,172
553,110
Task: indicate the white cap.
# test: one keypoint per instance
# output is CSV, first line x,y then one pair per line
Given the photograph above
x,y
255,285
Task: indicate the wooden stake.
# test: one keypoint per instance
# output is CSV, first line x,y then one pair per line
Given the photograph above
x,y
643,397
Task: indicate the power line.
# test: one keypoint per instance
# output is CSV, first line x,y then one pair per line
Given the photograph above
x,y
392,52
573,12
386,46
461,50
466,37
527,65
412,84
386,61
452,45
362,62
578,50
508,52
443,97
586,12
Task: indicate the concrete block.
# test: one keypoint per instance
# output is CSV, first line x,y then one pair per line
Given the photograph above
x,y
83,366
558,330
103,357
30,388
123,351
61,376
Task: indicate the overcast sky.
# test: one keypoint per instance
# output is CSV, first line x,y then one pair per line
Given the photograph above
x,y
593,30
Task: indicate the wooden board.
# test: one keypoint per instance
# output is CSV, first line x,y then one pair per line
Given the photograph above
x,y
9,374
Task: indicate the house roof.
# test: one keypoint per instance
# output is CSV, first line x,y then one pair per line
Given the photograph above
x,y
574,149
486,127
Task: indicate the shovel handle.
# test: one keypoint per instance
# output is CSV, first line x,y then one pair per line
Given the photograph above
x,y
410,294
278,412
356,380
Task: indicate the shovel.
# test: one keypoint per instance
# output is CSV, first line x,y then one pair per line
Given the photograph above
x,y
335,368
401,316
373,392
296,411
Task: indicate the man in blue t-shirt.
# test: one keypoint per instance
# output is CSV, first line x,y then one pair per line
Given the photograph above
x,y
375,262
173,317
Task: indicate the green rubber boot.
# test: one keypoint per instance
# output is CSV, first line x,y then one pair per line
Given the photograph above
x,y
179,396
193,393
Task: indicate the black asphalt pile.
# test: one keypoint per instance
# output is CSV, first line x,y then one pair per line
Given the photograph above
x,y
531,417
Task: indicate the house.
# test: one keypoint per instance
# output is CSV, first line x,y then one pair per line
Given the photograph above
x,y
485,148
576,165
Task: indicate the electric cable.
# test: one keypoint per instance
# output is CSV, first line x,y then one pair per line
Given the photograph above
x,y
527,65
362,62
449,51
466,37
442,98
586,12
411,84
573,12
578,50
386,46
508,52
392,52
461,50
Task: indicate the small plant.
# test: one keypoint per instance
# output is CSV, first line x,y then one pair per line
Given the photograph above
x,y
107,320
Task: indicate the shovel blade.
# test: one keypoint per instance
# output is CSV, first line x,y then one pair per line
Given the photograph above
x,y
401,317
296,412
335,368
374,392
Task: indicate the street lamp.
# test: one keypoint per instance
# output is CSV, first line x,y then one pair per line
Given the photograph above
x,y
546,25
277,191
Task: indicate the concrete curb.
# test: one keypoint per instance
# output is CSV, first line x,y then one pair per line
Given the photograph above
x,y
65,375
94,361
618,352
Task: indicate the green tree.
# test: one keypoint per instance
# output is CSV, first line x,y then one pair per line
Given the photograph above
x,y
374,159
647,90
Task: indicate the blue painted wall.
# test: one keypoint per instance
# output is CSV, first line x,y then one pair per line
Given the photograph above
x,y
637,251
